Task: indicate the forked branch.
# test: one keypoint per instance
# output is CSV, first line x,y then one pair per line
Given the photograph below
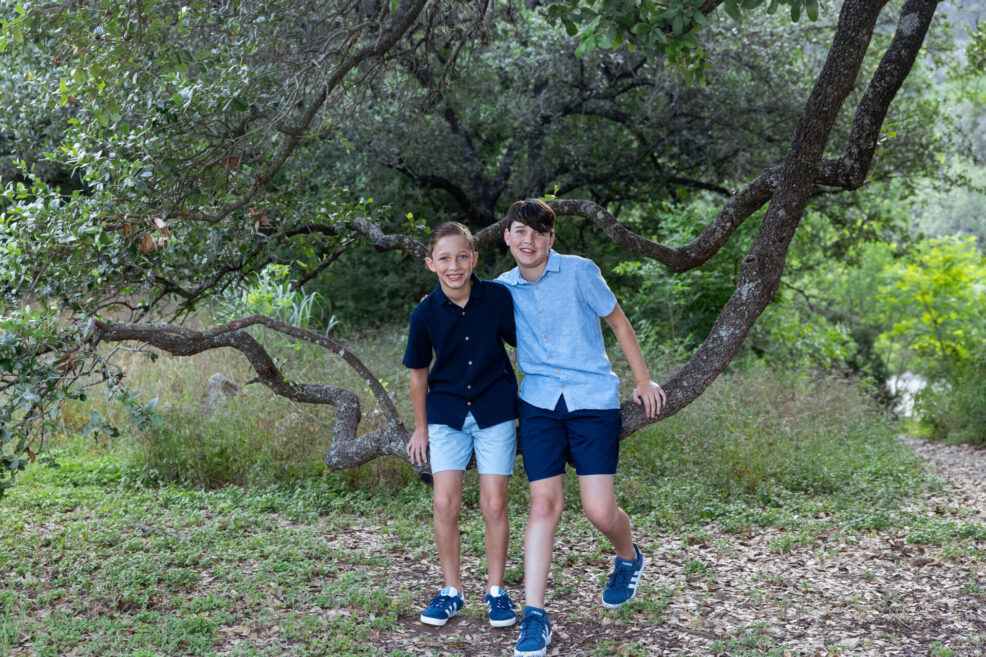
x,y
348,449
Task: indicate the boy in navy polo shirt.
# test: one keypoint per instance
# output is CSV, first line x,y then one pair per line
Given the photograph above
x,y
569,405
465,404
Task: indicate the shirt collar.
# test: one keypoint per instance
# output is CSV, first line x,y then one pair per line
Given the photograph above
x,y
476,292
514,277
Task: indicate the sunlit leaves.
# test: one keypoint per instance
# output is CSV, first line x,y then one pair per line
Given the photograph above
x,y
937,300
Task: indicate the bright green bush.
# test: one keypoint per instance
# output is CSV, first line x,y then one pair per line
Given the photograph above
x,y
956,409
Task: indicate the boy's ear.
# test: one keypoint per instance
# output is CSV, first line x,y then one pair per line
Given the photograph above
x,y
506,235
429,263
475,258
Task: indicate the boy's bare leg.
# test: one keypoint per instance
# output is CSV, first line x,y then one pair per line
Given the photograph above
x,y
599,503
547,503
493,503
448,500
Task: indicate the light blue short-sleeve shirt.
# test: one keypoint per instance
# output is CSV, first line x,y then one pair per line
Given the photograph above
x,y
560,345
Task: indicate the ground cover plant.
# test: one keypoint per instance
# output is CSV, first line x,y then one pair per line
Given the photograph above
x,y
116,552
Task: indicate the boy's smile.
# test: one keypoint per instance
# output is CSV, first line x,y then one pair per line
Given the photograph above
x,y
453,260
529,248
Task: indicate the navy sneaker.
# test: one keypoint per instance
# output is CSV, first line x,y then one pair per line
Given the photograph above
x,y
535,633
501,608
622,585
446,604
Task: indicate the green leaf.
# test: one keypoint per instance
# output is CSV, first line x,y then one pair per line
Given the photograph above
x,y
176,98
18,34
795,10
811,9
732,10
394,4
772,7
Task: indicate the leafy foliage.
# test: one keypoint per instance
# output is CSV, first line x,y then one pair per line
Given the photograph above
x,y
938,302
657,27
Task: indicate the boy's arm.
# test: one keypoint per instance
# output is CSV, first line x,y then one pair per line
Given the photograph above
x,y
417,447
646,391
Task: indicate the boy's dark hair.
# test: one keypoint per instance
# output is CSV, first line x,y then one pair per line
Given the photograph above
x,y
446,229
532,212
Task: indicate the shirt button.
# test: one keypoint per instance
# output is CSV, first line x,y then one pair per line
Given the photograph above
x,y
470,362
463,312
470,403
539,312
543,336
558,369
563,385
549,355
537,287
467,338
468,387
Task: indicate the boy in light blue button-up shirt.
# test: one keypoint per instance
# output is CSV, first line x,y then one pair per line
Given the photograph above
x,y
570,405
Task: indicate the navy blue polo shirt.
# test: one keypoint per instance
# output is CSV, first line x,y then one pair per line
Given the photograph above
x,y
471,372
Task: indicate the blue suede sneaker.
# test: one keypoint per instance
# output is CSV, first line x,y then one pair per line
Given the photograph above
x,y
501,608
443,606
623,582
535,633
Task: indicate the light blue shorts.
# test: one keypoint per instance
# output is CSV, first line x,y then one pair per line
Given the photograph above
x,y
495,447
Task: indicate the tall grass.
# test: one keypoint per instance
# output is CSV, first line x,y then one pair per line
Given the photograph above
x,y
756,436
763,436
255,438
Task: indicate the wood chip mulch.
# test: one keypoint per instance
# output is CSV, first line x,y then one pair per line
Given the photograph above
x,y
875,593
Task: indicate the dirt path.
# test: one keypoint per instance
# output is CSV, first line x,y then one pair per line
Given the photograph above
x,y
764,593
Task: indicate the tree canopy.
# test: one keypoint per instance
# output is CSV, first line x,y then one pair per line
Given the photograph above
x,y
158,154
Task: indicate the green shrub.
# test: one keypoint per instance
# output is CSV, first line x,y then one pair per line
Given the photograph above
x,y
766,436
956,409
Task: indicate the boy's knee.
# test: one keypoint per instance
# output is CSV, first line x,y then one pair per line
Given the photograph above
x,y
447,507
605,518
494,508
547,508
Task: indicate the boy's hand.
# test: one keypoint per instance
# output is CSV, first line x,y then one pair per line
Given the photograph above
x,y
417,447
651,396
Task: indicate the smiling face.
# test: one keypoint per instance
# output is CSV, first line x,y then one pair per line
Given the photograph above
x,y
529,247
453,259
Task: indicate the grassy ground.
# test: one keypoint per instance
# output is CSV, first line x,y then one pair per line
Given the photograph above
x,y
220,534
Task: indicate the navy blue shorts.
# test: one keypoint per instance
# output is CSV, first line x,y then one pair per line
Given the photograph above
x,y
590,439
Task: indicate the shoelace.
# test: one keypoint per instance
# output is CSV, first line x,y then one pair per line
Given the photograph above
x,y
440,601
501,602
621,576
531,628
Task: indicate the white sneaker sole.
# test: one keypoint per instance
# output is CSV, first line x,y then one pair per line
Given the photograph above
x,y
503,623
639,575
534,653
437,622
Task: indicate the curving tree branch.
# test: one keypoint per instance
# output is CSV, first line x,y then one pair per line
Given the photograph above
x,y
389,36
348,449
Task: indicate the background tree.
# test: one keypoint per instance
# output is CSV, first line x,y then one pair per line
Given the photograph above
x,y
187,123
